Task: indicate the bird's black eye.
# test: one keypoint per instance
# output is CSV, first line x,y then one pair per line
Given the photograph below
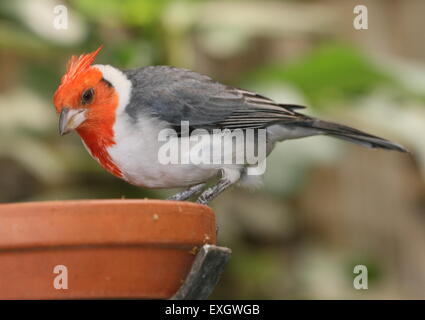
x,y
87,96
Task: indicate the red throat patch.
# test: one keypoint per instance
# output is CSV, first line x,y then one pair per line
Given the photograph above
x,y
98,134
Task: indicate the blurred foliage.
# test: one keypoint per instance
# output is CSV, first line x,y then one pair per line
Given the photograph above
x,y
327,76
133,13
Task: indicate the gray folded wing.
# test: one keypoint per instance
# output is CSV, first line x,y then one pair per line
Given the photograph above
x,y
176,95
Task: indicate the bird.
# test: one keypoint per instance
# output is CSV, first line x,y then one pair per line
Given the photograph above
x,y
121,116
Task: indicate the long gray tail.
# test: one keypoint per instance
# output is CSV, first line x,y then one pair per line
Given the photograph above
x,y
350,134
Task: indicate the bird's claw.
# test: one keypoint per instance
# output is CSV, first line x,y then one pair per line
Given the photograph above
x,y
202,200
186,194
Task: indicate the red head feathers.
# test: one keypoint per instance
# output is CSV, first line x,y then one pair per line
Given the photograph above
x,y
78,65
78,73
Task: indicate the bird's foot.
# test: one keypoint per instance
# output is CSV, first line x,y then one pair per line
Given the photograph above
x,y
212,192
186,194
203,200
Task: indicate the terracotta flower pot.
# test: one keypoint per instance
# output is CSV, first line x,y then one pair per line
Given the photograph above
x,y
110,248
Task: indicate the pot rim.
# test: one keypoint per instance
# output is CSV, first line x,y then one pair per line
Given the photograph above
x,y
105,222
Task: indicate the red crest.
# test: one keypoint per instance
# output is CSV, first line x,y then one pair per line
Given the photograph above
x,y
77,65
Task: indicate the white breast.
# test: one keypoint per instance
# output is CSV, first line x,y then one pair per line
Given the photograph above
x,y
136,154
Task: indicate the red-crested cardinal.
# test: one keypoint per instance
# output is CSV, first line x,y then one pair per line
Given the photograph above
x,y
121,116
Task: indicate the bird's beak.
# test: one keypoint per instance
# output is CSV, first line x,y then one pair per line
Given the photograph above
x,y
70,119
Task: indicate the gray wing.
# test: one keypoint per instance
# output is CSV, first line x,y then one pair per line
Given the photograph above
x,y
176,95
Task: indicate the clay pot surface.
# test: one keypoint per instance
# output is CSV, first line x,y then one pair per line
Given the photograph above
x,y
110,248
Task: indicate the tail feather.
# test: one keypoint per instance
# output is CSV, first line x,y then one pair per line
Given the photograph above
x,y
352,135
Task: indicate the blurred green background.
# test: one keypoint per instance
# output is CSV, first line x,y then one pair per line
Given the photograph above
x,y
326,205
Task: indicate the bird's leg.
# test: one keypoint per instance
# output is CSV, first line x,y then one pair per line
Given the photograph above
x,y
186,194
